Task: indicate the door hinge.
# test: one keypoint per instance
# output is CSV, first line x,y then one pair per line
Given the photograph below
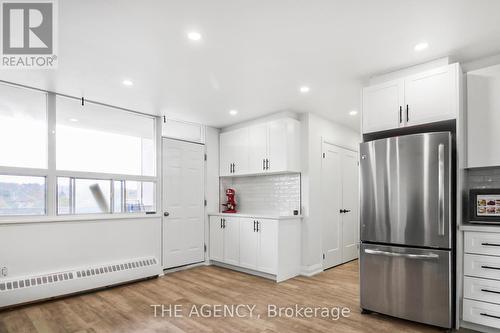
x,y
324,256
205,202
205,247
324,155
205,157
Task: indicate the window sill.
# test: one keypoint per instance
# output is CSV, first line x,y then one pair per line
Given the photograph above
x,y
75,218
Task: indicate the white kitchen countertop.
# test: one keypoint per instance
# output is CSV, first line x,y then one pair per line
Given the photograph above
x,y
258,216
480,227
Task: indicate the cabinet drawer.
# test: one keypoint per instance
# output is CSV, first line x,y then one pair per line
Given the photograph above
x,y
482,266
481,313
482,243
482,289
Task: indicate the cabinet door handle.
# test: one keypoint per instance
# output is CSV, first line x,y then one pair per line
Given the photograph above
x,y
221,222
263,164
490,267
254,226
489,244
224,223
407,113
258,223
490,291
267,164
234,167
400,114
488,315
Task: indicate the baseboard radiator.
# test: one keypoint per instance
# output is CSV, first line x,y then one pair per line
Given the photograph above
x,y
26,289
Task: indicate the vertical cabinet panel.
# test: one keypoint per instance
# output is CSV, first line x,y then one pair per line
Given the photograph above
x,y
216,239
249,242
382,104
257,148
267,258
231,228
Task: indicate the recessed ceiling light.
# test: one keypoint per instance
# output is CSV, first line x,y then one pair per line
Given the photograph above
x,y
73,120
304,89
233,112
128,83
353,112
193,35
421,46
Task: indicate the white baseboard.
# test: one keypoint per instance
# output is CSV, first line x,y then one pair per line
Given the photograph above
x,y
311,270
477,327
245,270
182,268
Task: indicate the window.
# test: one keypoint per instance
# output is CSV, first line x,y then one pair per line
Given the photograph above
x,y
23,128
94,138
139,196
92,196
22,195
102,159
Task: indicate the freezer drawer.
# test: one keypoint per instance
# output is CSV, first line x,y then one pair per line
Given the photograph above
x,y
406,190
408,283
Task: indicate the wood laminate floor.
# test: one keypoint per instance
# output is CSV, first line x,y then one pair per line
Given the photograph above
x,y
128,308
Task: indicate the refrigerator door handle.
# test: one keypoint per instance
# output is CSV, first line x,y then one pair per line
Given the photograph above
x,y
441,202
404,255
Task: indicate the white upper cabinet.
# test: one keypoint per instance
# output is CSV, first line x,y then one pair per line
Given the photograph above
x,y
382,106
417,99
257,148
432,96
269,147
234,150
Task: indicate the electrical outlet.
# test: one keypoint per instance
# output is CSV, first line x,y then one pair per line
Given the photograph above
x,y
3,272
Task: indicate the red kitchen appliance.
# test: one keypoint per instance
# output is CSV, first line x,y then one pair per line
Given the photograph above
x,y
230,202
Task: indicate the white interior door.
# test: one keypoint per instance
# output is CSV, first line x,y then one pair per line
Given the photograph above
x,y
183,202
350,202
331,183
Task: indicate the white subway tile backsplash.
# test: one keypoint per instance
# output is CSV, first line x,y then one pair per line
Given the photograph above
x,y
269,194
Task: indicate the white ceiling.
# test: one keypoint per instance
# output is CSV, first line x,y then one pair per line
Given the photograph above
x,y
254,54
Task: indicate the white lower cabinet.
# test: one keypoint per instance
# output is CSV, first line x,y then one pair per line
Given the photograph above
x,y
481,288
249,243
267,251
216,238
257,245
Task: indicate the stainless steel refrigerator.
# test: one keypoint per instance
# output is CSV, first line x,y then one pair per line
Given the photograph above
x,y
406,267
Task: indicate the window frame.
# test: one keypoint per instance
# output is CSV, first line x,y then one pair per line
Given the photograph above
x,y
51,174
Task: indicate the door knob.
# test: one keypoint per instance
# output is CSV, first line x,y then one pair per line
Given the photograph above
x,y
166,214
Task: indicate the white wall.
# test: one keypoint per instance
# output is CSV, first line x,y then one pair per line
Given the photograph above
x,y
37,248
315,131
